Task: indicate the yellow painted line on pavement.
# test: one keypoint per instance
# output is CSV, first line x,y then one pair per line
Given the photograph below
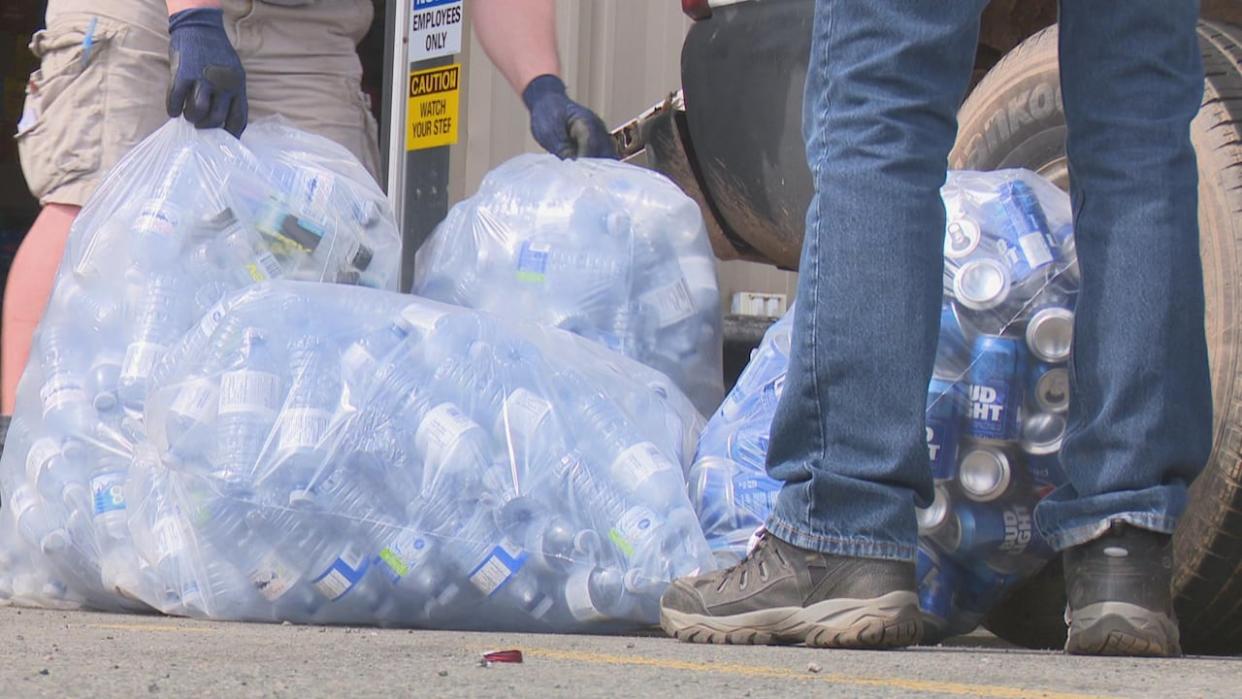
x,y
758,671
148,627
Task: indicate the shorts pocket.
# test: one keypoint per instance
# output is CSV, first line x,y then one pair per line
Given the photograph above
x,y
60,139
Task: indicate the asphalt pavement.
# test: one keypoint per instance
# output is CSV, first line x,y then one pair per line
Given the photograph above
x,y
83,654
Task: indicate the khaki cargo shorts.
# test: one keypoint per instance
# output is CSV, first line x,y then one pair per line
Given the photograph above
x,y
103,75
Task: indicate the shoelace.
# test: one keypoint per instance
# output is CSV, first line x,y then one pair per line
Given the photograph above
x,y
763,552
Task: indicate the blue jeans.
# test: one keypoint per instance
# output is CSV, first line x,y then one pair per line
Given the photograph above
x,y
886,78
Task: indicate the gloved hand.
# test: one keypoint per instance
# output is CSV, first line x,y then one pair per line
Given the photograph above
x,y
208,81
563,127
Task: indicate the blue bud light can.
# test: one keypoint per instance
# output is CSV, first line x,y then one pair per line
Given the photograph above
x,y
996,382
952,352
938,581
1025,238
997,533
943,421
1047,387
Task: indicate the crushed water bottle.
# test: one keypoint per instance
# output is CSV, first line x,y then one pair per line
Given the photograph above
x,y
611,252
996,405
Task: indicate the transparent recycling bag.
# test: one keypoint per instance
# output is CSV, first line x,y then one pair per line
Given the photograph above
x,y
996,405
608,251
186,218
344,455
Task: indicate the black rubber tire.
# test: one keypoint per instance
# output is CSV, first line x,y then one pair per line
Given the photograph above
x,y
1014,118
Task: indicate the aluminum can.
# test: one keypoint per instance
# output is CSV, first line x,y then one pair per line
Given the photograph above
x,y
996,381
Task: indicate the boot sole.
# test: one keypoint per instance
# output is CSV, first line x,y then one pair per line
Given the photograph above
x,y
1121,629
889,621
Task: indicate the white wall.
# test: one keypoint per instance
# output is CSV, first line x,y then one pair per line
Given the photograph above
x,y
619,57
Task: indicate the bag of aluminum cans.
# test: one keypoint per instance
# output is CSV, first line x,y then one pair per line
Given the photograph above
x,y
187,217
605,250
344,455
996,405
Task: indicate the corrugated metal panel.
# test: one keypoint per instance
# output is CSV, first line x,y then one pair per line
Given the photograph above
x,y
617,56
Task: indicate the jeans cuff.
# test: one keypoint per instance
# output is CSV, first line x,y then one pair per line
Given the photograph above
x,y
1081,534
840,546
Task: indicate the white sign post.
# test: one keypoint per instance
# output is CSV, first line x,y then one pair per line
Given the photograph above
x,y
435,28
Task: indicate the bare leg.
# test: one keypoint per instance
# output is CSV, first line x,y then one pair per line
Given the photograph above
x,y
27,292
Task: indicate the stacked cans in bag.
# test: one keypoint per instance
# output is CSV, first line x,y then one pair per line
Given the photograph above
x,y
996,405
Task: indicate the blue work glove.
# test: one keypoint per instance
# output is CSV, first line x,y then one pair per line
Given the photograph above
x,y
563,127
208,81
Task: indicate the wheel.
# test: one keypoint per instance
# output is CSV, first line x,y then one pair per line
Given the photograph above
x,y
1014,118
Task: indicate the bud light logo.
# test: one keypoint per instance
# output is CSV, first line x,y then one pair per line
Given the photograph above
x,y
933,445
1019,529
988,406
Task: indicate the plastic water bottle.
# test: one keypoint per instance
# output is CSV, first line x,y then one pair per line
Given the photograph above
x,y
94,315
553,542
37,522
326,556
314,394
250,394
52,466
455,451
66,408
156,312
241,573
641,536
415,564
634,465
373,350
497,569
596,594
119,565
155,241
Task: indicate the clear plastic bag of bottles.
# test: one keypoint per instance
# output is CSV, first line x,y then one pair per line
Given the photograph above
x,y
344,455
605,250
996,405
186,218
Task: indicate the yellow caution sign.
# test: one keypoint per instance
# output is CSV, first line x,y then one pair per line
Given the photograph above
x,y
432,118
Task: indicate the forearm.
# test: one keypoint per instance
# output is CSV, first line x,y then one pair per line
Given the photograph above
x,y
518,35
175,6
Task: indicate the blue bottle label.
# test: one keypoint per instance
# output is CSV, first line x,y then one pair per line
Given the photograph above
x,y
108,492
344,573
498,568
532,263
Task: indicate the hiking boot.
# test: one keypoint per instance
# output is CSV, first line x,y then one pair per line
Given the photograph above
x,y
1120,601
783,594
